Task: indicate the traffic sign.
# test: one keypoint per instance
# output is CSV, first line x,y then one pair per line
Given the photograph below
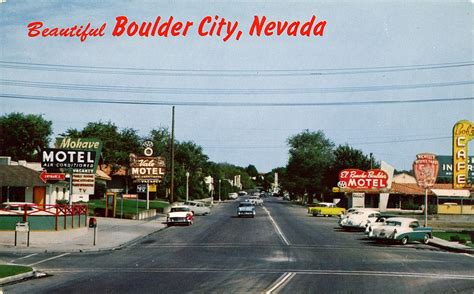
x,y
44,176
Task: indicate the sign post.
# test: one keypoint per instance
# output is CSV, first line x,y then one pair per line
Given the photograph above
x,y
426,168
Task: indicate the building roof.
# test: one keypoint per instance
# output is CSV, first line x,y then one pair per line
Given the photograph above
x,y
19,176
414,189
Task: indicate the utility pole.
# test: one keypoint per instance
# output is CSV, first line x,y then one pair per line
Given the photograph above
x,y
187,186
172,158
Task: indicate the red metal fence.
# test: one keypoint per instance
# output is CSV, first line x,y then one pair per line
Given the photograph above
x,y
65,211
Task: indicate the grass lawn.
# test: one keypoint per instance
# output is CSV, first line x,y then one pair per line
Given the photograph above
x,y
129,205
448,236
11,270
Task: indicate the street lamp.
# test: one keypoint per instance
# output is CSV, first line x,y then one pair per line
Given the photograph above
x,y
219,190
187,186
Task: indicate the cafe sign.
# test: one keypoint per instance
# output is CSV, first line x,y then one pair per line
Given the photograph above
x,y
359,179
463,132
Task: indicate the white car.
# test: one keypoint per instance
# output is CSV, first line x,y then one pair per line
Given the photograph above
x,y
343,218
255,200
198,208
369,229
233,196
18,207
403,230
359,219
179,215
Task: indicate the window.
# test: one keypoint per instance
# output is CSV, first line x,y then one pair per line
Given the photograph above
x,y
414,225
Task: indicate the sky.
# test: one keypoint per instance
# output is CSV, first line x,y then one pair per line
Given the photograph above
x,y
390,78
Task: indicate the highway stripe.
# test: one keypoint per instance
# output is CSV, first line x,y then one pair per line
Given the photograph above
x,y
416,275
280,283
277,228
48,259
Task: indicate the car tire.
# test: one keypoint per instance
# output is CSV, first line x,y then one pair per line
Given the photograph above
x,y
426,239
404,240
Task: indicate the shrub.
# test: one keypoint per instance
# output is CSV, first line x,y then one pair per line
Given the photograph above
x,y
455,238
462,241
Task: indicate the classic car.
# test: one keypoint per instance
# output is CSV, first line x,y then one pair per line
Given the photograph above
x,y
325,209
378,222
246,209
180,215
233,195
344,217
359,219
18,208
255,200
198,208
402,230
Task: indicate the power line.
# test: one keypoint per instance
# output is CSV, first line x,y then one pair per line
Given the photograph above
x,y
231,104
216,91
403,140
226,72
366,143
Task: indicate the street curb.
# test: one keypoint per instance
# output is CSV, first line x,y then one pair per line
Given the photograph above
x,y
18,277
452,249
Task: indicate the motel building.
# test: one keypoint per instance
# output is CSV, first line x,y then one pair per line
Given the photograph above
x,y
404,195
20,182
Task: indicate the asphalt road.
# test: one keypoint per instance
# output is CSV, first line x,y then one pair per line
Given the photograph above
x,y
281,250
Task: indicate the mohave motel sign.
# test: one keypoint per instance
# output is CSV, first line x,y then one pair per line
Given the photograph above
x,y
68,159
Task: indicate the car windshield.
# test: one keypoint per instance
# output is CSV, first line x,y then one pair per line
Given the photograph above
x,y
393,223
245,204
178,209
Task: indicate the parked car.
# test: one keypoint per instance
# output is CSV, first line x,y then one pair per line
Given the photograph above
x,y
242,193
359,219
233,195
343,218
255,200
403,230
246,209
180,215
18,207
373,224
198,208
325,209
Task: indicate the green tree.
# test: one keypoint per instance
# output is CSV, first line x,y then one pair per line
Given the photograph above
x,y
346,157
23,136
311,155
117,144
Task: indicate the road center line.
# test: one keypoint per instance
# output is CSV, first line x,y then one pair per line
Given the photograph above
x,y
48,259
277,228
281,282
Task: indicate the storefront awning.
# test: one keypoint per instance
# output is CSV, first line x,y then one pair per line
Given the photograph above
x,y
451,193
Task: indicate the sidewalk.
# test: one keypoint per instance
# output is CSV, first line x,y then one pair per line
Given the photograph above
x,y
111,234
451,246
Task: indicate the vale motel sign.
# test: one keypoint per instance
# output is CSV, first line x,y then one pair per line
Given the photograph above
x,y
147,168
359,179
